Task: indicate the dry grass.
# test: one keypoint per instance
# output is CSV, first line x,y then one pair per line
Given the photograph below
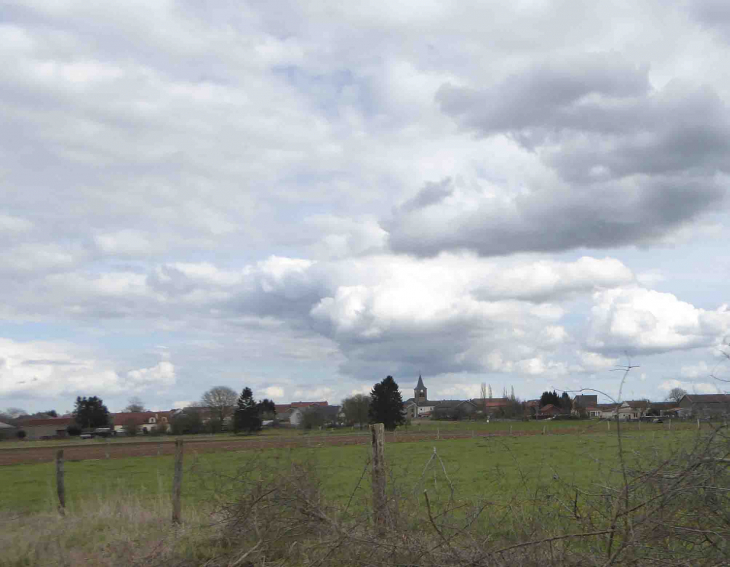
x,y
650,508
122,530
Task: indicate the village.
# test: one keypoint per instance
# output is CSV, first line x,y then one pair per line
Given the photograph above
x,y
417,409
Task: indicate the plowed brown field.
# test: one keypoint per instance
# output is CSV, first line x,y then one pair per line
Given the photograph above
x,y
96,450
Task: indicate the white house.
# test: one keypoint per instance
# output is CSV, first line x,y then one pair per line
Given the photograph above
x,y
141,421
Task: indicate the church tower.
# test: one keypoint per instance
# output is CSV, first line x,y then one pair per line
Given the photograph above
x,y
420,391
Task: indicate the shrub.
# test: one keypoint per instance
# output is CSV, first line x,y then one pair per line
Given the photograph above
x,y
21,434
73,430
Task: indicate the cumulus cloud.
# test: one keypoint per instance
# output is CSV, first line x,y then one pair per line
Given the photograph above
x,y
625,163
638,320
274,392
161,375
43,369
285,202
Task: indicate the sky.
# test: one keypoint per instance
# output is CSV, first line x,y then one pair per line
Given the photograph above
x,y
306,197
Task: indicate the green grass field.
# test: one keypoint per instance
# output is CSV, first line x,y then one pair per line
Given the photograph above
x,y
480,468
418,426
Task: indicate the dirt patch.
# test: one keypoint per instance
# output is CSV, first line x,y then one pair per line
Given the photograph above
x,y
97,450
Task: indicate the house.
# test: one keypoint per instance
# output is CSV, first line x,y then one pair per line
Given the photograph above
x,y
284,416
293,415
6,430
705,405
491,406
532,407
45,428
549,410
662,408
582,402
607,411
590,411
454,409
332,414
632,409
141,421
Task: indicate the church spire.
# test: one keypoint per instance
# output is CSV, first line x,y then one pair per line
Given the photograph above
x,y
420,385
420,391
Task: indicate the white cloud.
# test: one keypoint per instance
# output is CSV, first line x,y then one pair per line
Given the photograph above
x,y
44,369
161,375
274,392
699,370
234,182
644,321
595,362
691,387
13,224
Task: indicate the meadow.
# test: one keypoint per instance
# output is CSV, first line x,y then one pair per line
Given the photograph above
x,y
477,467
495,499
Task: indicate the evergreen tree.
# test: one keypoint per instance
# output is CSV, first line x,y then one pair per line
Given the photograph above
x,y
512,393
566,403
91,412
550,398
266,409
490,391
386,404
246,417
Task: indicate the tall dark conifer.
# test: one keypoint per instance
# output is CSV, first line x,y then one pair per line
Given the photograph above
x,y
386,404
246,417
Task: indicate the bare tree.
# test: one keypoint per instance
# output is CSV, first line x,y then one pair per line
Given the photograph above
x,y
483,396
135,405
15,413
221,400
356,409
675,394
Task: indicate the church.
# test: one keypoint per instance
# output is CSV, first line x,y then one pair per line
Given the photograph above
x,y
420,407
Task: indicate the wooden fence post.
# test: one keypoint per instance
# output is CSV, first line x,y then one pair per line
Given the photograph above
x,y
698,424
177,482
510,430
60,487
438,433
377,432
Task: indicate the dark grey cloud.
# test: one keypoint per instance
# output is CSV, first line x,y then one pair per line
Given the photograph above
x,y
630,163
432,193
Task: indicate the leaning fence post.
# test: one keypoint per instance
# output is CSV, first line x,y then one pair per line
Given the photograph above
x,y
177,482
377,432
60,487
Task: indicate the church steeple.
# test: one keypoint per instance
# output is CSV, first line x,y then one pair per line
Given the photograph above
x,y
420,391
